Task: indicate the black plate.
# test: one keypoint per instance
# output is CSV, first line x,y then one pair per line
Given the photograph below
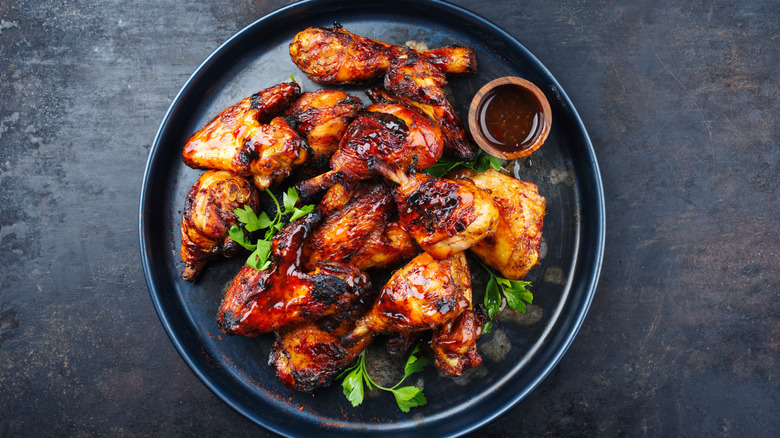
x,y
235,368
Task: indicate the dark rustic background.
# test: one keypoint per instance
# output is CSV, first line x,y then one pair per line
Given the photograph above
x,y
682,101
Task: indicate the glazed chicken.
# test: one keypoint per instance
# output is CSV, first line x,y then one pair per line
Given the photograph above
x,y
360,232
454,344
394,135
208,215
444,216
419,80
321,117
424,294
306,357
335,55
514,249
282,295
415,82
241,139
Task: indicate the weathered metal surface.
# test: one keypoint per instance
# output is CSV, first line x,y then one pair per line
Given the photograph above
x,y
681,102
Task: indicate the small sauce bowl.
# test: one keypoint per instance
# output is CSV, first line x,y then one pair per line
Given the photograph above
x,y
510,118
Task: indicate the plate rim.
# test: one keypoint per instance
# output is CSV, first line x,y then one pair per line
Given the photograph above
x,y
592,271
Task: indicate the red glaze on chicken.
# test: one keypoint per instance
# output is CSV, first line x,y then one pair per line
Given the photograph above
x,y
242,140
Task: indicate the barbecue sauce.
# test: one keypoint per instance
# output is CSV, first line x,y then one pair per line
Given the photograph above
x,y
510,118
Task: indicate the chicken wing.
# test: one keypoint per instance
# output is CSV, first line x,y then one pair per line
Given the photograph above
x,y
306,357
514,249
335,55
454,344
393,134
361,232
208,215
424,294
281,295
322,117
240,140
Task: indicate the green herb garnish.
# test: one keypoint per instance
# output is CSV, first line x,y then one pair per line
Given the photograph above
x,y
406,397
481,164
514,291
251,222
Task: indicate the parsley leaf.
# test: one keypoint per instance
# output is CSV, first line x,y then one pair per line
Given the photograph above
x,y
446,164
492,297
353,383
289,198
409,397
259,257
515,292
252,222
237,234
487,161
406,397
301,212
414,364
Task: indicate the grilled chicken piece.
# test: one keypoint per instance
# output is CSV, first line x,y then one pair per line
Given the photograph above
x,y
424,294
514,249
456,139
360,232
392,134
282,295
444,216
335,55
322,117
241,140
306,357
208,215
415,78
454,344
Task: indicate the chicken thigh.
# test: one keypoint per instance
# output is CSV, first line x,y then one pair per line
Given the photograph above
x,y
208,215
444,216
514,249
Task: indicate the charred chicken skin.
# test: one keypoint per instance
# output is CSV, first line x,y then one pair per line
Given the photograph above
x,y
444,216
360,232
514,249
282,295
424,294
454,344
393,135
322,117
208,215
306,357
242,140
415,82
335,55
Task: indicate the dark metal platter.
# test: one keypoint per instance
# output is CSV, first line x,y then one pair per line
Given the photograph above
x,y
235,368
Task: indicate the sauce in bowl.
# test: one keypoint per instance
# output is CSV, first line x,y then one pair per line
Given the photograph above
x,y
509,118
